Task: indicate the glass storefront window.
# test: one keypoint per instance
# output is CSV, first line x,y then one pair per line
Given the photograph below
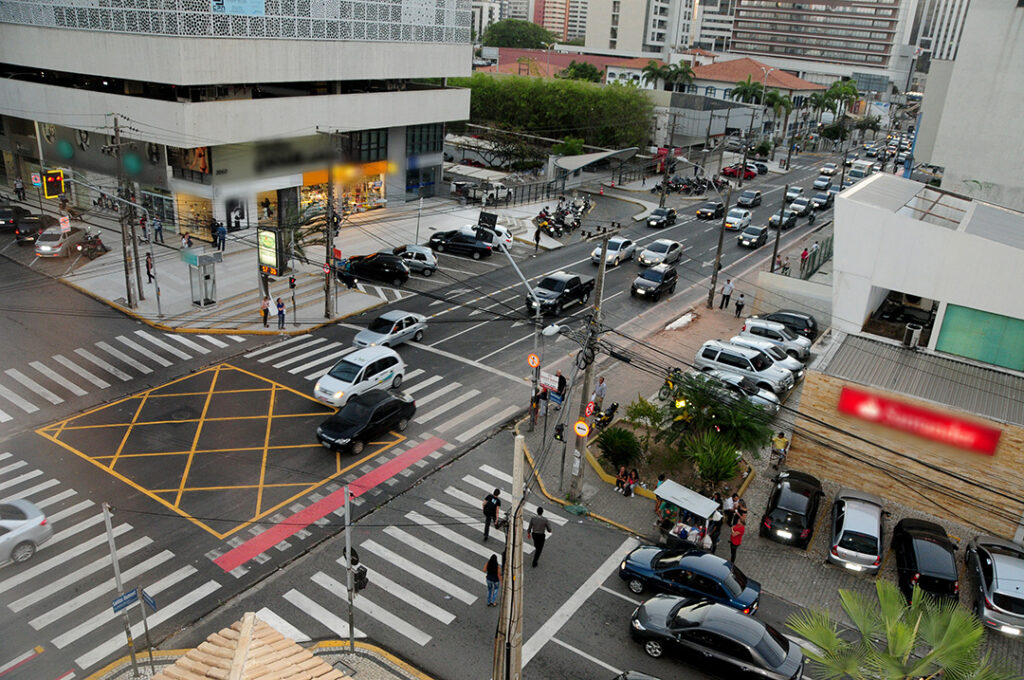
x,y
195,215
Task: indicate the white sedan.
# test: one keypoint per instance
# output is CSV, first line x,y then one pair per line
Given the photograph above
x,y
392,328
738,218
619,250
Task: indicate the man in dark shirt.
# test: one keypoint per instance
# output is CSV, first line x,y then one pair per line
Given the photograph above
x,y
491,506
538,528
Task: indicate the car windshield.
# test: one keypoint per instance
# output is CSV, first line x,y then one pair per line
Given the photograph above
x,y
738,214
354,413
760,362
787,334
708,206
49,236
821,197
735,582
344,371
381,325
772,647
748,386
614,245
554,285
669,559
775,353
859,543
792,500
752,232
749,195
659,212
658,247
651,275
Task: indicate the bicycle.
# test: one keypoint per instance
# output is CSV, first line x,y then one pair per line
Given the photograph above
x,y
672,380
777,457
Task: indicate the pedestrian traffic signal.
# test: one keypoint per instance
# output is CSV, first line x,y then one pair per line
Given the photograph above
x,y
53,183
359,577
291,281
560,432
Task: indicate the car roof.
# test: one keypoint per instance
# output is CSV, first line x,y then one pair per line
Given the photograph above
x,y
709,564
375,397
666,241
750,191
661,268
732,624
28,507
912,525
766,323
794,312
361,357
395,315
862,513
796,478
660,211
725,344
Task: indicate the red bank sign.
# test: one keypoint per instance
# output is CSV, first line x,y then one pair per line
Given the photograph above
x,y
919,421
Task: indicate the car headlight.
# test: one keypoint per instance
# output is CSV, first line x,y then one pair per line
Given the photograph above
x,y
339,395
637,625
343,441
319,430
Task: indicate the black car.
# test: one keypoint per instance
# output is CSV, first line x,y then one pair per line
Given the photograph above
x,y
710,210
365,416
31,226
762,169
925,557
896,313
788,219
822,200
753,237
378,266
800,323
661,217
792,508
725,642
749,198
11,215
456,241
692,573
654,282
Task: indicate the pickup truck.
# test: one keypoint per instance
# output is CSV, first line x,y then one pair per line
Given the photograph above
x,y
559,290
489,191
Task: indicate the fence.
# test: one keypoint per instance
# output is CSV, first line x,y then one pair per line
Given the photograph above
x,y
816,258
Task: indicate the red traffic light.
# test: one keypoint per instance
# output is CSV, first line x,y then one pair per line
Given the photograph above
x,y
53,183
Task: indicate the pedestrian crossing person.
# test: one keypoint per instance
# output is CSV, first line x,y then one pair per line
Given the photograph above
x,y
280,314
493,571
539,528
491,506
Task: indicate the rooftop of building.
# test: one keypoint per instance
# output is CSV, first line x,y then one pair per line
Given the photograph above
x,y
737,70
635,62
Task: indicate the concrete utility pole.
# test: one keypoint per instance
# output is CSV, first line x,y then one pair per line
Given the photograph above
x,y
508,639
667,161
778,232
329,241
129,292
718,253
120,590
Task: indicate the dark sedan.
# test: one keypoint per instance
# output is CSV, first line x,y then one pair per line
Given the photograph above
x,y
10,215
723,641
654,282
661,217
788,219
378,266
822,201
710,210
753,237
692,573
792,509
457,241
365,416
800,323
31,226
926,558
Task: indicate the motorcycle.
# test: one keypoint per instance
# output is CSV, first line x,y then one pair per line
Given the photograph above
x,y
810,217
606,416
92,246
672,381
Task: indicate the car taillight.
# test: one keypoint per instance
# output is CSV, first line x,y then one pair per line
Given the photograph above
x,y
767,522
43,523
914,578
878,560
744,327
835,550
956,587
805,533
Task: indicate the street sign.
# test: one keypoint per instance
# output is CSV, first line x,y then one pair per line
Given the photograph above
x,y
555,398
549,380
337,253
125,600
533,360
37,179
589,411
148,600
327,268
581,428
65,224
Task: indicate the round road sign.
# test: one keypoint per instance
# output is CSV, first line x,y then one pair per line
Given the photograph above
x,y
327,268
589,411
581,428
533,360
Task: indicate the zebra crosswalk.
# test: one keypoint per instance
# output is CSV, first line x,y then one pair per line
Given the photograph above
x,y
53,381
424,570
385,293
64,592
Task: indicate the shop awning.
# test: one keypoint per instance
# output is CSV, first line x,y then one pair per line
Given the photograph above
x,y
574,163
687,499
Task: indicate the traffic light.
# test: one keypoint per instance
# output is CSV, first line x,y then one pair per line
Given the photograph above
x,y
53,183
359,577
291,281
560,432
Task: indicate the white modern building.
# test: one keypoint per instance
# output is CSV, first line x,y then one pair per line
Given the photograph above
x,y
485,13
952,262
232,110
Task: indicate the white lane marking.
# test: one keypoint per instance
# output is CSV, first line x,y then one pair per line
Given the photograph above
x,y
504,347
437,393
4,417
10,467
575,601
144,351
28,493
74,530
21,658
420,385
102,384
163,345
89,356
627,598
57,378
115,643
484,407
372,610
415,373
281,626
502,416
276,345
138,366
329,358
305,355
66,493
455,335
236,338
407,596
188,343
34,386
415,569
25,406
19,479
451,535
213,341
588,657
320,613
406,539
58,560
477,364
310,341
466,520
448,405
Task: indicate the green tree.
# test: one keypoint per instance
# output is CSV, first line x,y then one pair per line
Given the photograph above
x,y
844,93
747,91
820,102
647,415
570,146
516,33
582,70
619,446
679,75
873,123
896,641
714,458
702,405
654,72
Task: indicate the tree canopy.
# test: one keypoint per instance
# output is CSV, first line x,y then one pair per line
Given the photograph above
x,y
611,116
581,70
516,33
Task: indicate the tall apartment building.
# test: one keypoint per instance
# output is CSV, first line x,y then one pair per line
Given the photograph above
x,y
666,26
222,106
936,29
485,13
577,25
553,15
517,9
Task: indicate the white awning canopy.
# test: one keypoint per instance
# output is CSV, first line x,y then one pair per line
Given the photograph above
x,y
574,163
685,498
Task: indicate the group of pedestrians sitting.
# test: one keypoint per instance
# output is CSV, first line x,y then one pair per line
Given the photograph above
x,y
626,482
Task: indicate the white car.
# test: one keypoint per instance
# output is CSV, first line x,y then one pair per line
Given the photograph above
x,y
620,249
662,251
23,528
360,371
738,218
828,169
493,235
392,328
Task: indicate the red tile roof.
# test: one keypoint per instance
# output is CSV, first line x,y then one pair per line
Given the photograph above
x,y
737,70
699,51
637,62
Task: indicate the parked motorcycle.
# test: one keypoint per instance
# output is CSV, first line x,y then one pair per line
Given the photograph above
x,y
92,245
605,417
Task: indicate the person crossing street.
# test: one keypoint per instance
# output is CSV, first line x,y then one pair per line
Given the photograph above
x,y
539,527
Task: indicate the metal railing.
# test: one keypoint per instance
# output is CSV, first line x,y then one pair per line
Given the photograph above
x,y
816,258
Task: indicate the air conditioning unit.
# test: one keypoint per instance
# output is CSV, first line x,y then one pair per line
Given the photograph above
x,y
912,335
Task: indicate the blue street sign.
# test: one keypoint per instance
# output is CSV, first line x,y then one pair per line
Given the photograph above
x,y
149,600
124,600
555,398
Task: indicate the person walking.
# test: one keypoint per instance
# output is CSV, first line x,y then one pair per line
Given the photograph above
x,y
736,538
222,236
539,527
563,384
740,302
265,310
778,262
599,394
729,507
814,248
19,188
803,259
280,314
726,294
149,267
142,228
491,506
184,240
493,571
536,240
158,230
786,266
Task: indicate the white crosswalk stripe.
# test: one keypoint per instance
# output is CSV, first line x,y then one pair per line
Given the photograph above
x,y
363,604
486,406
281,626
474,431
18,480
75,368
25,406
60,380
188,343
305,355
422,384
34,386
436,394
144,351
10,467
324,361
421,603
447,406
36,569
309,342
150,338
118,354
89,356
415,570
28,493
4,417
276,345
314,609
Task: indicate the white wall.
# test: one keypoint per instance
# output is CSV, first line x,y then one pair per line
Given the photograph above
x,y
876,247
211,61
234,121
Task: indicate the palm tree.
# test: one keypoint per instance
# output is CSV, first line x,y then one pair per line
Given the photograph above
x,y
747,91
896,641
778,102
654,72
820,102
679,74
845,94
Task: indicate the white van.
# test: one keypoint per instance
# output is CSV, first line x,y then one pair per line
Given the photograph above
x,y
360,371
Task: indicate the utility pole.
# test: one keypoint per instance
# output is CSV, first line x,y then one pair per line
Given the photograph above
x,y
746,147
718,254
668,158
120,590
508,639
130,293
778,232
329,239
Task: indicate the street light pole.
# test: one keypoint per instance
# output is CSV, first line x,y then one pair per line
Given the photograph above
x,y
718,253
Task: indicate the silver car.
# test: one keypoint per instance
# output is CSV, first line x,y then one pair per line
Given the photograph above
x,y
754,364
857,531
620,249
420,259
999,571
23,528
796,346
774,353
392,328
746,388
662,251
